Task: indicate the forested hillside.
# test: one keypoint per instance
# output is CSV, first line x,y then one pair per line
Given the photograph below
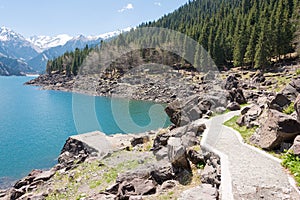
x,y
241,32
251,33
69,62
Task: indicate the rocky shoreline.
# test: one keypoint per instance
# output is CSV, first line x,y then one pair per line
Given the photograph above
x,y
173,153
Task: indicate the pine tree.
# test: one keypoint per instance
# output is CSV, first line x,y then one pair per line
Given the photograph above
x,y
262,53
250,51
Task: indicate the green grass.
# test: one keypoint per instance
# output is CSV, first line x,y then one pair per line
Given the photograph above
x,y
292,162
290,109
298,72
94,175
245,132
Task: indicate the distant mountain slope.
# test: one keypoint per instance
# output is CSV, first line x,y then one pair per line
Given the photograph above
x,y
20,55
10,66
40,61
14,45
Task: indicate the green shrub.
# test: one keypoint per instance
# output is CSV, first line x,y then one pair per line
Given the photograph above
x,y
289,110
292,162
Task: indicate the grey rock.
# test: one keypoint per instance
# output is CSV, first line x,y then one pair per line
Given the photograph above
x,y
189,139
292,90
161,153
143,187
220,110
44,176
15,193
167,185
177,154
258,77
249,115
296,146
202,192
160,174
209,176
237,95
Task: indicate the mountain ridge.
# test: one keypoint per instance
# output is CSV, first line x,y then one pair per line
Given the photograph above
x,y
35,51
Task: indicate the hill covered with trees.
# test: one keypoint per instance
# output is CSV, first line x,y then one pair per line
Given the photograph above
x,y
236,33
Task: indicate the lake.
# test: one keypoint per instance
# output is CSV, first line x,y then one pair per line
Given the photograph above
x,y
34,123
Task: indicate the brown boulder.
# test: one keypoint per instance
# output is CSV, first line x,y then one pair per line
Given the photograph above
x,y
296,146
275,129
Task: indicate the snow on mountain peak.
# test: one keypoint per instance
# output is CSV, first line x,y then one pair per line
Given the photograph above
x,y
6,34
46,42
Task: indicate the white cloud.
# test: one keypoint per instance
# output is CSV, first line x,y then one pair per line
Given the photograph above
x,y
157,3
128,7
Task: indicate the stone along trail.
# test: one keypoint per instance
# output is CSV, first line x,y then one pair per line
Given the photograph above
x,y
247,173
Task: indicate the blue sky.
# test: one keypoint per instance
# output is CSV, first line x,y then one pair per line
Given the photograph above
x,y
73,17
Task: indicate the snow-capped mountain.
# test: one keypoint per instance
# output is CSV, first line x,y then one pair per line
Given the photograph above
x,y
15,46
47,42
32,54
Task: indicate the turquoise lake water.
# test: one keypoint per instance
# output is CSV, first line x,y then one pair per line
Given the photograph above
x,y
34,124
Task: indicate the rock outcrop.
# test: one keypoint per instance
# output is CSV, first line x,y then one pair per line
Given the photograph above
x,y
275,129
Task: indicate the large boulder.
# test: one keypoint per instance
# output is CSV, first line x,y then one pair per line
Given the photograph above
x,y
276,128
249,116
279,102
231,82
177,155
296,146
181,113
237,95
292,90
233,106
297,107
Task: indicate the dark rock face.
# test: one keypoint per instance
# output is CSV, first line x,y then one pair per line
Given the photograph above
x,y
233,106
276,129
279,102
237,95
296,146
139,140
162,173
292,90
231,82
195,157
